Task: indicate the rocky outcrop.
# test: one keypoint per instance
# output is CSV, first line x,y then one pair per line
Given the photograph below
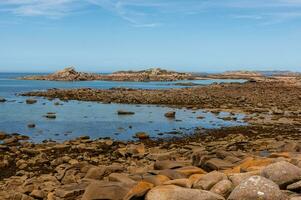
x,y
154,74
67,74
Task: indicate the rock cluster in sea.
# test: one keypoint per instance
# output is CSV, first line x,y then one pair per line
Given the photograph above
x,y
215,169
154,74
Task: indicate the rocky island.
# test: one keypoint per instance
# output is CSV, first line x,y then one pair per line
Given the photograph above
x,y
153,74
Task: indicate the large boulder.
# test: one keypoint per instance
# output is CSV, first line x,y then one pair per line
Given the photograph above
x,y
106,190
172,192
223,188
257,187
217,164
208,180
283,173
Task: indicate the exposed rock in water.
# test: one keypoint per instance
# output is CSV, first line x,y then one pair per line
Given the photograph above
x,y
31,125
31,101
124,112
67,74
141,135
2,100
50,115
154,74
171,114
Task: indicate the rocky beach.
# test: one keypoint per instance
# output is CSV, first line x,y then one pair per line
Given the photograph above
x,y
259,161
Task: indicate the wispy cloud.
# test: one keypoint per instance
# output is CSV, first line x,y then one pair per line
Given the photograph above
x,y
152,13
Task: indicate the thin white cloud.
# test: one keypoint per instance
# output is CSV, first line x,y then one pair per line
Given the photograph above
x,y
152,13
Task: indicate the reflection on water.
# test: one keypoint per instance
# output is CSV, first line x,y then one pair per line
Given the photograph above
x,y
95,119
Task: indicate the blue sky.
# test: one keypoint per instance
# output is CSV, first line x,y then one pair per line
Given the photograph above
x,y
184,35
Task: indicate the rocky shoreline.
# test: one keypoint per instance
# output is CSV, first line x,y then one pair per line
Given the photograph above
x,y
254,162
263,101
259,161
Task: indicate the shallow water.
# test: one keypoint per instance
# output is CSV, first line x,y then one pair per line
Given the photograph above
x,y
76,118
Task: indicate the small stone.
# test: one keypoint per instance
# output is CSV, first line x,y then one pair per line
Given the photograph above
x,y
141,135
124,112
31,101
31,125
171,114
2,100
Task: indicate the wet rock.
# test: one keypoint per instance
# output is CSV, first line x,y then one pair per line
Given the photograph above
x,y
124,112
2,100
173,192
31,101
141,135
257,187
282,173
31,125
171,114
50,115
11,140
3,135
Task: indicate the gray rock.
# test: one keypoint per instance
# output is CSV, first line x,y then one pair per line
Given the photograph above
x,y
236,179
2,100
172,192
257,187
295,186
282,173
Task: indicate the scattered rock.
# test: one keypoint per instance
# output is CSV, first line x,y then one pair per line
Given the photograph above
x,y
31,125
124,112
171,114
142,135
31,101
2,100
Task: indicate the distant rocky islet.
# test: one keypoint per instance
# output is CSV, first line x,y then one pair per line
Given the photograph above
x,y
153,74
